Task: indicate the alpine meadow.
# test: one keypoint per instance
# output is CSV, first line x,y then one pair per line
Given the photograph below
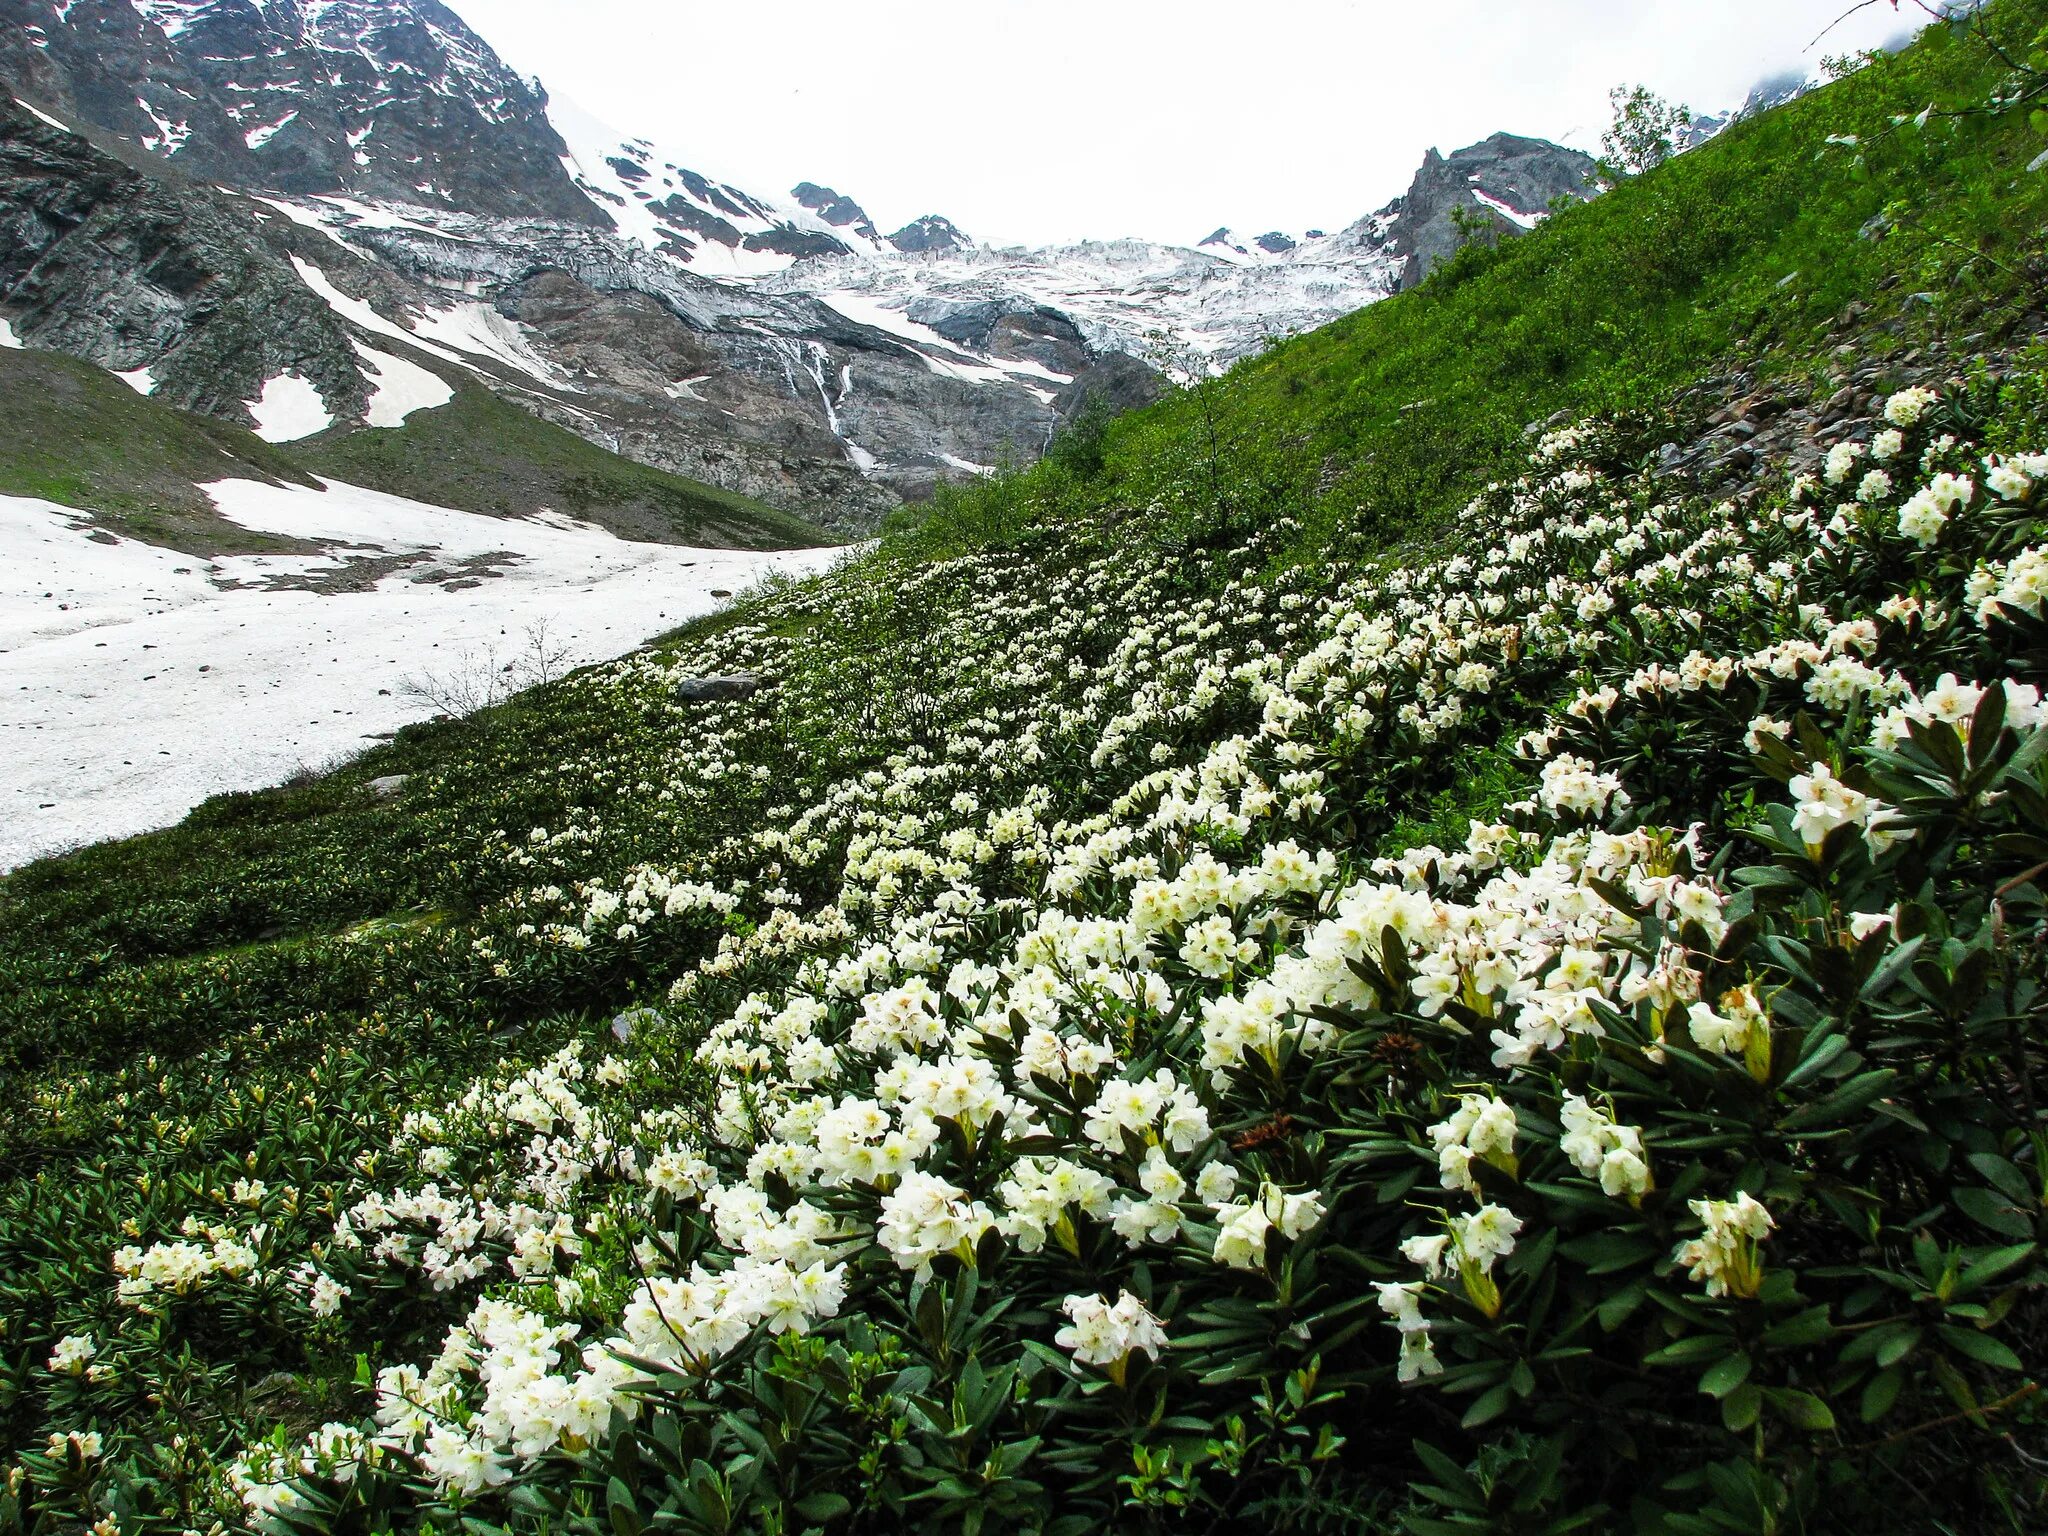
x,y
1440,931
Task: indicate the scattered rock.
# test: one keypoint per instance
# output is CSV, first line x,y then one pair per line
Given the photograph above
x,y
388,787
632,1021
739,685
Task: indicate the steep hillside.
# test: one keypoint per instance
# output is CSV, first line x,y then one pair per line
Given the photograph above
x,y
78,436
1440,934
1745,265
84,438
483,455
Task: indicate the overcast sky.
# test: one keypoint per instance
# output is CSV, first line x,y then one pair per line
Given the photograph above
x,y
1041,120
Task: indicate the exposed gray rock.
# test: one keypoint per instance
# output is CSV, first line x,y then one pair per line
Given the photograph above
x,y
129,271
378,99
388,786
933,232
740,685
634,1021
1524,175
1118,380
848,413
839,211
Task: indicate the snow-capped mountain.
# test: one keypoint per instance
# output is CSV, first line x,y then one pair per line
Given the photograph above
x,y
379,100
367,189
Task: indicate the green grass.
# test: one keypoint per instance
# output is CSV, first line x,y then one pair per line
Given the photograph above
x,y
482,454
76,435
1744,253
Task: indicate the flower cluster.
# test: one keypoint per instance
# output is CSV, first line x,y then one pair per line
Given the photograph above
x,y
1082,977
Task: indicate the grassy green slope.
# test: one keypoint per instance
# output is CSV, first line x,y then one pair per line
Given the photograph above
x,y
76,435
483,454
1746,252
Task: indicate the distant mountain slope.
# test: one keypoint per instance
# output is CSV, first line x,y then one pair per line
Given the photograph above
x,y
383,100
135,463
334,212
481,454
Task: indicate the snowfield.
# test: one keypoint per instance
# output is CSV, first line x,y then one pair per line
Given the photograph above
x,y
136,681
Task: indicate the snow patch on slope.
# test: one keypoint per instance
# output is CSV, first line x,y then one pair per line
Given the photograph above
x,y
289,408
256,138
1508,211
359,313
482,332
39,112
398,388
136,681
169,137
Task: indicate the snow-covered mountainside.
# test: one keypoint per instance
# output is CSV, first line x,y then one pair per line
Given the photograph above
x,y
374,210
136,681
1163,303
931,281
1205,305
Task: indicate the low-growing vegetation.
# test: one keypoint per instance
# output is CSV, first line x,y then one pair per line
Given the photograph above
x,y
1172,1005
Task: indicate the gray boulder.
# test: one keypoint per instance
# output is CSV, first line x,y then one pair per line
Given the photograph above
x,y
739,685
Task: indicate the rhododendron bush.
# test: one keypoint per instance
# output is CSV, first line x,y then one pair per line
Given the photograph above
x,y
1096,1105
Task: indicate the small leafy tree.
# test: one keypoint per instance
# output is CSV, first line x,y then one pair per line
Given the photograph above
x,y
1644,134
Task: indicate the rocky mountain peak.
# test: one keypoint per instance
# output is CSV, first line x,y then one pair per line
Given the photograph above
x,y
836,209
1227,243
1506,181
933,232
379,100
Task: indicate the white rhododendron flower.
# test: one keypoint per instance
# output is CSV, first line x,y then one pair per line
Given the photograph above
x,y
74,1352
1107,1334
1725,1255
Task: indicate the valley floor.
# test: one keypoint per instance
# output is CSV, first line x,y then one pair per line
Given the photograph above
x,y
136,681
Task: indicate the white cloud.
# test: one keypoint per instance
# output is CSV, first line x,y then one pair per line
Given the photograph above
x,y
1050,119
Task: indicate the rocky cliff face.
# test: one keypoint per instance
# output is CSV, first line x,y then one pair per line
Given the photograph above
x,y
168,283
718,380
380,100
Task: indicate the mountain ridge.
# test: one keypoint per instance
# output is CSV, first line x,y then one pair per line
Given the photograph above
x,y
784,349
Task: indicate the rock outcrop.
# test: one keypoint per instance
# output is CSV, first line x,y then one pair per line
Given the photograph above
x,y
380,100
134,272
838,211
1504,185
933,232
